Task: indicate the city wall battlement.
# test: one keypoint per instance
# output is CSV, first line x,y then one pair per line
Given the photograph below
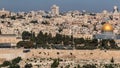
x,y
8,54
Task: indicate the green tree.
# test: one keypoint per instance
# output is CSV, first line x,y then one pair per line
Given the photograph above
x,y
60,30
28,66
78,66
89,66
45,38
45,22
55,63
13,17
50,39
79,40
109,66
68,66
25,44
16,60
0,32
34,21
20,17
33,38
104,44
66,40
58,39
3,16
6,63
113,44
112,60
14,66
39,39
26,35
20,44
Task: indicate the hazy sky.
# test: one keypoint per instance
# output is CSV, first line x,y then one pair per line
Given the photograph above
x,y
65,5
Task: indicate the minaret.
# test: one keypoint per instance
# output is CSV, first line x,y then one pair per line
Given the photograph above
x,y
115,10
116,13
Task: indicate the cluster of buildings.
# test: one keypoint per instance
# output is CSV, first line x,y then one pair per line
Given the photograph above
x,y
80,24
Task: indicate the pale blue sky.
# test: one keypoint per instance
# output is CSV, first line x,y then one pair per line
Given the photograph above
x,y
65,5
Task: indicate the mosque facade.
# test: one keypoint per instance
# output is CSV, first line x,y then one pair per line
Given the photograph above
x,y
107,32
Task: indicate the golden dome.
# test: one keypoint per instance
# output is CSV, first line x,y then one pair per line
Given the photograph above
x,y
107,27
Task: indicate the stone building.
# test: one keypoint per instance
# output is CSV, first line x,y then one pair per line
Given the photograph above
x,y
9,40
4,12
